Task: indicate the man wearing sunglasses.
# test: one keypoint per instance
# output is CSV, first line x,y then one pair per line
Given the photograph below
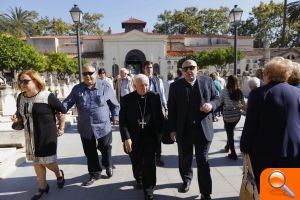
x,y
95,100
192,100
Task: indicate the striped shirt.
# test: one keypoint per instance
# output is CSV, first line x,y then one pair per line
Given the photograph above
x,y
231,108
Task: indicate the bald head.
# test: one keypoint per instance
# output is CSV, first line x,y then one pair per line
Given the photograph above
x,y
189,69
189,63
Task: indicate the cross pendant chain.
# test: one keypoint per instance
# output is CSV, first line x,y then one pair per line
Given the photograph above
x,y
142,123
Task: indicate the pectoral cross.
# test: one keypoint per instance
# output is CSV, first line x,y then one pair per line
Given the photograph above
x,y
142,123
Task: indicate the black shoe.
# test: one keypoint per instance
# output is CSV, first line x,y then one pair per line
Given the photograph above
x,y
159,162
205,197
90,181
139,185
184,187
109,172
226,148
40,193
61,180
232,156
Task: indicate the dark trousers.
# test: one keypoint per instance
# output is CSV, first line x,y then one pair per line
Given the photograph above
x,y
158,150
194,136
143,164
229,127
90,150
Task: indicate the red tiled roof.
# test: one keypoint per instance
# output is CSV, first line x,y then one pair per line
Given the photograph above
x,y
182,36
133,21
147,33
178,53
85,37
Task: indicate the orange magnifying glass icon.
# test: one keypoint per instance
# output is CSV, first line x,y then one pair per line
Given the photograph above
x,y
277,180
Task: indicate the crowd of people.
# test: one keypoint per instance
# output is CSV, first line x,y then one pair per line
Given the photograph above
x,y
184,109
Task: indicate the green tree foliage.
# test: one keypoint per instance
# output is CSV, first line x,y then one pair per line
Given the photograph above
x,y
18,22
266,24
43,26
220,58
16,55
91,24
293,12
293,9
62,64
59,27
193,21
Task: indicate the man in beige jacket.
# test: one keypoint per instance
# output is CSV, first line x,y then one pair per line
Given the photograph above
x,y
124,84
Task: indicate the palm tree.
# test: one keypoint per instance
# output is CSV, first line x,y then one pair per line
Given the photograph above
x,y
293,10
18,22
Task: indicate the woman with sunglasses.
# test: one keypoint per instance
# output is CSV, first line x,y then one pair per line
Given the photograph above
x,y
37,108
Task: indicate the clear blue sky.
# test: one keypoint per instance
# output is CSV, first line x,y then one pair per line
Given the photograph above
x,y
116,11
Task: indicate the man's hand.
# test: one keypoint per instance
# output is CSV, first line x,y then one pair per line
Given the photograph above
x,y
127,145
115,122
207,107
173,136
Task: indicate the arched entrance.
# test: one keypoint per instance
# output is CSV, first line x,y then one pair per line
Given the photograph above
x,y
134,61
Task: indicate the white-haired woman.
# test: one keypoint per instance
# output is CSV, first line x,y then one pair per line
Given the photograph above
x,y
253,83
271,131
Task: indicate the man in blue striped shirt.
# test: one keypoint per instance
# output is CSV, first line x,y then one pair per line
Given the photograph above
x,y
95,100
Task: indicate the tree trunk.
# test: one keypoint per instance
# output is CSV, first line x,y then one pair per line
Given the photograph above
x,y
284,23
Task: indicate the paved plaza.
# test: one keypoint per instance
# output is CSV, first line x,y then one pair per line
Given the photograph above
x,y
18,180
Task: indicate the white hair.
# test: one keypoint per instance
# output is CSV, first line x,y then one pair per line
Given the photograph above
x,y
124,70
254,82
140,77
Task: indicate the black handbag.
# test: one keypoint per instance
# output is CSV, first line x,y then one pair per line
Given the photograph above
x,y
19,124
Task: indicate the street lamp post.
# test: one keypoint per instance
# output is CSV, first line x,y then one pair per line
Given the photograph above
x,y
114,68
76,15
235,17
159,60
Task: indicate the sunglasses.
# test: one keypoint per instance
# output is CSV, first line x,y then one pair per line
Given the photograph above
x,y
185,69
88,73
24,81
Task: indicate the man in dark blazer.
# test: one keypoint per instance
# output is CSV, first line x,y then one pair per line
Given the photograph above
x,y
141,122
191,103
271,133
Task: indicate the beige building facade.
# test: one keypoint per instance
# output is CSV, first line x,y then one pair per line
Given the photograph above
x,y
134,46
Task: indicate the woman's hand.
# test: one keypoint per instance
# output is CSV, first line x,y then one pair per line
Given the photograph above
x,y
14,118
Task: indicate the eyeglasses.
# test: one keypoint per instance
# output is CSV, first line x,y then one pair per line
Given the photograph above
x,y
24,81
88,73
185,69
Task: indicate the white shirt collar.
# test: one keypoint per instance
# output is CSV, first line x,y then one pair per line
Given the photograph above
x,y
193,82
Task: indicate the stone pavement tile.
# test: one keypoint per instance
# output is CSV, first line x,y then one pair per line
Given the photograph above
x,y
5,153
21,182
